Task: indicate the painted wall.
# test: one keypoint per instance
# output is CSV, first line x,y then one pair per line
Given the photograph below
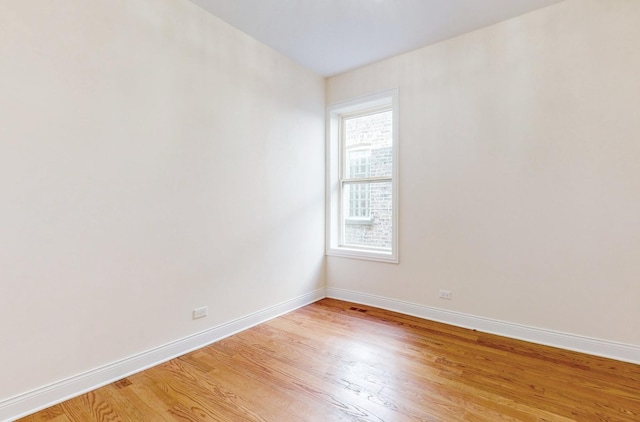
x,y
152,160
520,175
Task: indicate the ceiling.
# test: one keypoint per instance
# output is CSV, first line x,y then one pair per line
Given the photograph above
x,y
333,36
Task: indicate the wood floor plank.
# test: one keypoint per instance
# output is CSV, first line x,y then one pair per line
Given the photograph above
x,y
80,408
52,414
339,361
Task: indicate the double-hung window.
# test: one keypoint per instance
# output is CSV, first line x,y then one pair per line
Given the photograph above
x,y
362,216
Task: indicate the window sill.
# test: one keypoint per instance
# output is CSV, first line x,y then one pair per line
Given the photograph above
x,y
359,221
366,254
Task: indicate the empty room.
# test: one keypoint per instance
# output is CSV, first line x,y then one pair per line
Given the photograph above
x,y
319,210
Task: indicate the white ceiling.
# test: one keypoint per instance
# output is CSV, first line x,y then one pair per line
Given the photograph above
x,y
333,36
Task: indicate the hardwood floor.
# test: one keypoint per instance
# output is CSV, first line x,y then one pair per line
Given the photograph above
x,y
337,361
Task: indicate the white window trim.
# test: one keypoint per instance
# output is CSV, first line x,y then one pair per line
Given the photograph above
x,y
333,163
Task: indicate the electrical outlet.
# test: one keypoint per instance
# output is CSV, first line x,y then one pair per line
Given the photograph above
x,y
445,294
200,312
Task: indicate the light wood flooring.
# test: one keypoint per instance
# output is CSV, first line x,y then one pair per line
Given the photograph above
x,y
337,361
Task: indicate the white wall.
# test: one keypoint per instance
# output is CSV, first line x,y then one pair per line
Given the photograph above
x,y
520,175
152,160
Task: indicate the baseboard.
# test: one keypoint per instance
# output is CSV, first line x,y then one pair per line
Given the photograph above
x,y
52,394
596,347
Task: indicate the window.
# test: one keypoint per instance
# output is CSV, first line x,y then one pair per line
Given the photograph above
x,y
359,167
362,218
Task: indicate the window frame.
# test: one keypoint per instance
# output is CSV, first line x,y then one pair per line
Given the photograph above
x,y
335,165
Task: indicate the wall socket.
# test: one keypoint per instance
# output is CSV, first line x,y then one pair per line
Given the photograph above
x,y
200,312
445,294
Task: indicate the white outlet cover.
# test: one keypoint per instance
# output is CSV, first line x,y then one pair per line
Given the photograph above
x,y
200,312
445,294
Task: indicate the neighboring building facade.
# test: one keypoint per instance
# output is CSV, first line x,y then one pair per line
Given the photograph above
x,y
369,205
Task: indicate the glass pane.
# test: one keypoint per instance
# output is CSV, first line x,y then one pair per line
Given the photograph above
x,y
369,143
368,219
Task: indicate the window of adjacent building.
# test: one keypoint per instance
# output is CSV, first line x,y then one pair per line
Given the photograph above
x,y
362,173
359,194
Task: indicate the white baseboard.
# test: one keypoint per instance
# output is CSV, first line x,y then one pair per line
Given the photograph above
x,y
52,394
596,347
